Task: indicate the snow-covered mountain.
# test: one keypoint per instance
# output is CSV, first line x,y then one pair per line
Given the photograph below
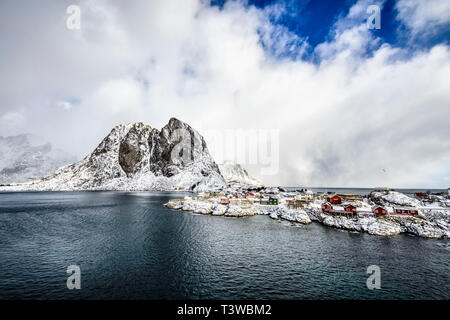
x,y
27,157
236,175
138,157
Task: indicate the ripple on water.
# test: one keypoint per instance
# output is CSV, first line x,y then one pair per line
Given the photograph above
x,y
130,247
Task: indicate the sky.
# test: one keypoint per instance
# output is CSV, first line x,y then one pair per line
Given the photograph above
x,y
348,106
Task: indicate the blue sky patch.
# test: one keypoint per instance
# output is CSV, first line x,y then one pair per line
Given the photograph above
x,y
314,20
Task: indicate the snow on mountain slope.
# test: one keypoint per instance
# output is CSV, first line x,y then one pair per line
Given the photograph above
x,y
235,174
138,157
394,198
26,157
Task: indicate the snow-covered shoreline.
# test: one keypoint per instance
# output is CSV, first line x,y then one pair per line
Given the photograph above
x,y
430,223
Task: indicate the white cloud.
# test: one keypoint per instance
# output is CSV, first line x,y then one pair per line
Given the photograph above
x,y
10,122
340,122
424,17
118,96
66,105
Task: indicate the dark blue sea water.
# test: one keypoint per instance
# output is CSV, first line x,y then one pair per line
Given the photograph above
x,y
130,247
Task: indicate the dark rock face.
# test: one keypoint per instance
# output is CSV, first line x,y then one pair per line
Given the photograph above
x,y
130,152
175,147
129,157
160,156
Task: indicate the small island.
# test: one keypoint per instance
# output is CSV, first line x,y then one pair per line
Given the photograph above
x,y
382,212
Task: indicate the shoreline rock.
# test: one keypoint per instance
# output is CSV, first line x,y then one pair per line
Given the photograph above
x,y
429,224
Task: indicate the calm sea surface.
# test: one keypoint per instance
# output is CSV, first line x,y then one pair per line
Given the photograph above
x,y
130,247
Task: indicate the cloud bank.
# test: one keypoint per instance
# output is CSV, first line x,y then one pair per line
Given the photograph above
x,y
364,113
424,17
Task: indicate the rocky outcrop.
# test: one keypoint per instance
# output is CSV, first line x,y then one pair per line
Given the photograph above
x,y
370,225
393,198
138,157
214,207
429,224
426,227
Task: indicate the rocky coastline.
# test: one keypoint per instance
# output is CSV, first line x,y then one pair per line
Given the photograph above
x,y
431,222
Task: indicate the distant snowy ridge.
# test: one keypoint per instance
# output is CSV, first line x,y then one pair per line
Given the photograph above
x,y
235,174
27,157
138,157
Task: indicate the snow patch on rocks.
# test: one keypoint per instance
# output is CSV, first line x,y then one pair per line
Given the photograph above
x,y
235,175
394,198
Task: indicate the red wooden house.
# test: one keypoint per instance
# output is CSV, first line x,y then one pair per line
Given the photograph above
x,y
379,211
422,194
326,207
334,199
350,209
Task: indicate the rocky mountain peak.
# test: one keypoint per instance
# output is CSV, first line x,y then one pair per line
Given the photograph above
x,y
136,156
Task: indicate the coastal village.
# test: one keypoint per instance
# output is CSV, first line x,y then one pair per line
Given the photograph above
x,y
382,212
